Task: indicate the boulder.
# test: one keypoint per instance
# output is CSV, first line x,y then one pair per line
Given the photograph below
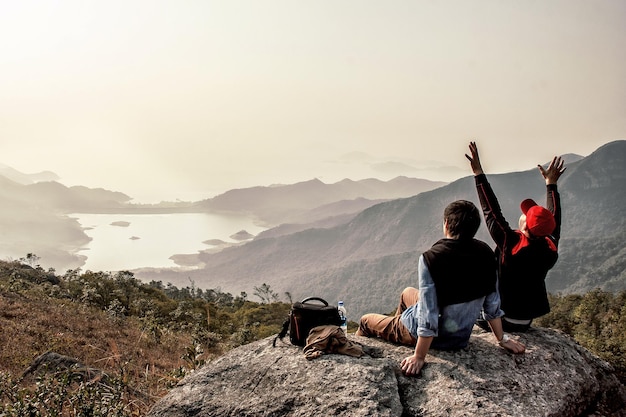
x,y
555,377
52,362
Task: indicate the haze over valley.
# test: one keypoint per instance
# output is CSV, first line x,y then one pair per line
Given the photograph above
x,y
42,217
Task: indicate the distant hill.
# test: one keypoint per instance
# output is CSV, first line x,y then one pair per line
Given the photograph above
x,y
57,197
33,219
33,213
21,178
369,259
296,203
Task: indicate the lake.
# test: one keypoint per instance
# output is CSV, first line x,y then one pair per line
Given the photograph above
x,y
130,241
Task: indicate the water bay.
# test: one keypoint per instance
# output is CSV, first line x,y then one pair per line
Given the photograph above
x,y
130,241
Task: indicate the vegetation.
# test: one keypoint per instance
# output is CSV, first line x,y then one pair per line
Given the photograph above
x,y
138,339
133,341
596,320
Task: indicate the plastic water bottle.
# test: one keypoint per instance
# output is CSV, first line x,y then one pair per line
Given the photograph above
x,y
343,316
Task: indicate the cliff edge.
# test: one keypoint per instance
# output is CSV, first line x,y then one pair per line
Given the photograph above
x,y
555,377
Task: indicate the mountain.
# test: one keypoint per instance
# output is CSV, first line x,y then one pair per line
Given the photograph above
x,y
571,157
371,258
33,214
73,199
21,178
33,219
55,196
325,217
294,202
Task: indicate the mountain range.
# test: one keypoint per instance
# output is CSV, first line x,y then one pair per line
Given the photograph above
x,y
33,216
313,200
36,210
370,257
353,240
22,178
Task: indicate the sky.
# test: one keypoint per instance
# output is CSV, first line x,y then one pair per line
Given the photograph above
x,y
183,100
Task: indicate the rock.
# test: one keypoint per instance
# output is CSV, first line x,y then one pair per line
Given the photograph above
x,y
52,362
555,377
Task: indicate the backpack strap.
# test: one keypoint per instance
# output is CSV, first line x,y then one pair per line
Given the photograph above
x,y
282,333
314,299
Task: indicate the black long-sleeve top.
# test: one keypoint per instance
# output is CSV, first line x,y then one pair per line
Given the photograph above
x,y
523,263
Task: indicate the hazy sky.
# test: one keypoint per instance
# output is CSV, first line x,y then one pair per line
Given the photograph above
x,y
168,100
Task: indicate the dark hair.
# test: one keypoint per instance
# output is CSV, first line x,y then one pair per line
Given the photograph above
x,y
462,218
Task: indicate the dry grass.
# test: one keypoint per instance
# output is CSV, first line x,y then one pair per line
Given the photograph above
x,y
32,324
114,346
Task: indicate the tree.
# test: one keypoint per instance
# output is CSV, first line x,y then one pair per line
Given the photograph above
x,y
265,293
31,260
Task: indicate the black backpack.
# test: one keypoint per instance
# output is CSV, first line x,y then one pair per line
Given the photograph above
x,y
304,316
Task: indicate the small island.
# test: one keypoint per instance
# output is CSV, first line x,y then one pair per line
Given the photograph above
x,y
242,235
120,223
214,242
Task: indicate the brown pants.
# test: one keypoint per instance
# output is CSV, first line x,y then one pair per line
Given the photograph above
x,y
390,328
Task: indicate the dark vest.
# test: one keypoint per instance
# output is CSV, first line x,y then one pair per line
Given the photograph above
x,y
462,270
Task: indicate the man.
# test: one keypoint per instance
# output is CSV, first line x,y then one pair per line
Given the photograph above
x,y
524,255
457,278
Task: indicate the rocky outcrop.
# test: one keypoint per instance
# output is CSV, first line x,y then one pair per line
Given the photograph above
x,y
555,377
52,362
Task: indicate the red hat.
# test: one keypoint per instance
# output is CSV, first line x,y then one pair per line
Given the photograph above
x,y
539,220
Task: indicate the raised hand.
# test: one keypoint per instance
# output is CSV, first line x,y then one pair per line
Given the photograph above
x,y
554,170
474,159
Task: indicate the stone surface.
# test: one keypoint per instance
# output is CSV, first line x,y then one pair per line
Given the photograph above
x,y
555,377
52,362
